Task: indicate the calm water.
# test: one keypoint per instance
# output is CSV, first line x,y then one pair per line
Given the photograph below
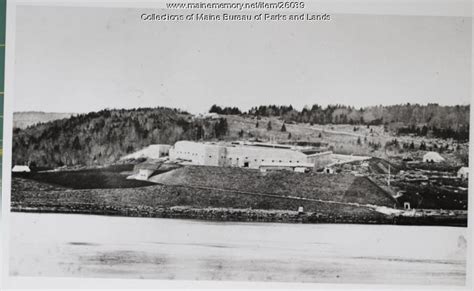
x,y
101,246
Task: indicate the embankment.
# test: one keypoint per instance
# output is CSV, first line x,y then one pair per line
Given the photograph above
x,y
339,188
170,201
215,214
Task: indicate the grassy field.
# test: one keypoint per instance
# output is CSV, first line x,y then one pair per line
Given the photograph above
x,y
340,188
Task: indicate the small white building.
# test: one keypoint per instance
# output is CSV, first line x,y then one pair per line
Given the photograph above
x,y
21,169
463,173
432,157
145,171
328,170
301,170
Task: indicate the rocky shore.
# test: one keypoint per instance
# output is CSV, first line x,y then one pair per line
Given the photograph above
x,y
242,215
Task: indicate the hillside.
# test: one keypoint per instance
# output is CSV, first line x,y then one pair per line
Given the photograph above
x,y
29,118
421,120
105,136
187,202
339,188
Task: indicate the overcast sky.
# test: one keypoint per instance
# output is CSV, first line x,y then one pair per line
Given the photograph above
x,y
87,59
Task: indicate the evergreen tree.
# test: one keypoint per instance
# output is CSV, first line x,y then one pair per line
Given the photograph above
x,y
76,145
215,109
269,126
283,128
221,128
422,146
199,132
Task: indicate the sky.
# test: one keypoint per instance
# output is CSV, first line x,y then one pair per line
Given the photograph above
x,y
87,59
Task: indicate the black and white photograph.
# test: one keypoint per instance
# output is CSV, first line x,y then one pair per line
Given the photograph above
x,y
246,142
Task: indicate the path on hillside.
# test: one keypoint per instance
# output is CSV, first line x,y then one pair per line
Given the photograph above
x,y
316,128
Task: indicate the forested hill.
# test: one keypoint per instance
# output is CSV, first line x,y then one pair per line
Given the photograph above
x,y
105,136
440,121
25,119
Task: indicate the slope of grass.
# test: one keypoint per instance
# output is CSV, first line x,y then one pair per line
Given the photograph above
x,y
340,187
152,198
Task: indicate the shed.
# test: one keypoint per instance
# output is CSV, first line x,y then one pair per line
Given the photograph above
x,y
463,173
432,157
301,169
21,169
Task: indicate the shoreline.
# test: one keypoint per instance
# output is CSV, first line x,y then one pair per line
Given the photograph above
x,y
242,215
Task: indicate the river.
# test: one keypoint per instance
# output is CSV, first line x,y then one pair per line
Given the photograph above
x,y
124,247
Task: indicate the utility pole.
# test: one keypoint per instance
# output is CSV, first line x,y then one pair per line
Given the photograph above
x,y
388,181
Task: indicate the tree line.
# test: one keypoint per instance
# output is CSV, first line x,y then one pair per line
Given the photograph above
x,y
106,136
422,120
